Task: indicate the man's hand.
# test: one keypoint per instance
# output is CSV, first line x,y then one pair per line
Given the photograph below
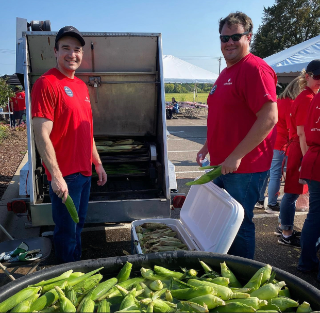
x,y
60,188
101,174
230,165
202,154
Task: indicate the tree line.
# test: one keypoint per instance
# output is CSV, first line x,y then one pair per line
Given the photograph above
x,y
186,88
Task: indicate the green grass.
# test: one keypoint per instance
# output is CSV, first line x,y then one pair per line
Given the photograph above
x,y
201,97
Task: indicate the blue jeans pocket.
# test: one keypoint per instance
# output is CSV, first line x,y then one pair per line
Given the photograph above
x,y
72,177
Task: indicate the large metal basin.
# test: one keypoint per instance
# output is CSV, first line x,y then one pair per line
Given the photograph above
x,y
242,268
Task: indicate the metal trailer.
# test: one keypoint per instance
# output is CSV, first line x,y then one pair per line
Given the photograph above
x,y
124,75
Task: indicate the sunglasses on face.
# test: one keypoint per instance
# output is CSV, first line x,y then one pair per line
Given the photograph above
x,y
315,77
234,37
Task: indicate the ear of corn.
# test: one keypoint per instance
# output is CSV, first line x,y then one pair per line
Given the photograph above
x,y
25,305
255,282
156,285
304,307
65,304
162,271
87,305
234,307
169,296
194,307
72,209
103,288
71,294
129,300
149,274
268,291
266,270
125,272
17,298
86,285
103,306
46,300
226,272
222,281
189,293
255,302
210,300
207,177
283,303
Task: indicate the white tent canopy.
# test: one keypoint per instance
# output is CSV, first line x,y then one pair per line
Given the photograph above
x,y
179,71
289,62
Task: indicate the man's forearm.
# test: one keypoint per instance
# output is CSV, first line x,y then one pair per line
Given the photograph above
x,y
303,144
95,155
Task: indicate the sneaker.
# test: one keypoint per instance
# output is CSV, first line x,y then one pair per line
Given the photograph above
x,y
260,205
278,232
290,241
273,208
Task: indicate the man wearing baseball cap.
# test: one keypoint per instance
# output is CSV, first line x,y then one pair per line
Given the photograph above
x,y
63,128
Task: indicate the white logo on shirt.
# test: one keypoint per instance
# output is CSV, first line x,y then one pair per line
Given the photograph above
x,y
318,120
87,99
266,95
229,82
68,91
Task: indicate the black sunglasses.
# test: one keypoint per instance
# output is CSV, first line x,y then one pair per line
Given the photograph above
x,y
315,77
234,37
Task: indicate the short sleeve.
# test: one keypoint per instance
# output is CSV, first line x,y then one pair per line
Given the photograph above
x,y
260,86
302,109
43,99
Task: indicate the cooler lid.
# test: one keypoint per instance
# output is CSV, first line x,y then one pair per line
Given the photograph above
x,y
212,217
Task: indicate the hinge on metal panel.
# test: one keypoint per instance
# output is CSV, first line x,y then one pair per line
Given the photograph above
x,y
95,81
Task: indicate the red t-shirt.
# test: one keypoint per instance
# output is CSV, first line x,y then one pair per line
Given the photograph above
x,y
284,106
20,96
310,168
66,102
15,103
238,94
299,111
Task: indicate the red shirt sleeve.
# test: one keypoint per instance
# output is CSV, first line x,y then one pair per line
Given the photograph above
x,y
260,86
43,99
302,109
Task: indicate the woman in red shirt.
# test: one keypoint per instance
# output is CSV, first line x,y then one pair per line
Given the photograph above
x,y
284,103
310,171
297,149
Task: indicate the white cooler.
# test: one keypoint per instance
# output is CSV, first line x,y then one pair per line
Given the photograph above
x,y
209,220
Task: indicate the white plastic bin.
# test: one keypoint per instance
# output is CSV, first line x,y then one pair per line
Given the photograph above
x,y
209,220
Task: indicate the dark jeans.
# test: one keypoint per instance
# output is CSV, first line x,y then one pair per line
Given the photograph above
x,y
245,188
288,210
311,230
67,234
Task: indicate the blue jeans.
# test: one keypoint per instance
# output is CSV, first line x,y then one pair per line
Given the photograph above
x,y
67,234
287,210
275,174
311,230
244,188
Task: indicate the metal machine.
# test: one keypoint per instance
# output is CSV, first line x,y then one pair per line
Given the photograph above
x,y
124,75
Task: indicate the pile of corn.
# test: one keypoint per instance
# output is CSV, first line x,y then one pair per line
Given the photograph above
x,y
158,290
125,145
158,237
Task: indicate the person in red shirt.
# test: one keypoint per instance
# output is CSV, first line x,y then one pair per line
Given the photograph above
x,y
242,113
21,105
310,171
296,150
284,103
12,118
63,128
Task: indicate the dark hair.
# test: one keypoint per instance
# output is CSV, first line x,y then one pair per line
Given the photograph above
x,y
237,18
56,46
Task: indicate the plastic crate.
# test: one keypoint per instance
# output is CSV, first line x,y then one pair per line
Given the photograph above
x,y
209,220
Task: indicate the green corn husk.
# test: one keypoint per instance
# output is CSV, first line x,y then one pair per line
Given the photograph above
x,y
254,302
103,306
65,304
63,277
25,305
207,177
234,307
268,291
304,307
125,272
226,272
47,299
266,270
194,307
210,300
282,303
20,296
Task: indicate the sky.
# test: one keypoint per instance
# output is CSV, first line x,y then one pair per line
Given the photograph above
x,y
189,28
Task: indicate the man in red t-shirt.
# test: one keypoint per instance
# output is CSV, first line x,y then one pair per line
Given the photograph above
x,y
62,122
20,104
242,114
